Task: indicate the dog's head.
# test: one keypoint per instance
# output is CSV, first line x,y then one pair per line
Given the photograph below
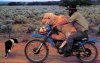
x,y
49,18
15,40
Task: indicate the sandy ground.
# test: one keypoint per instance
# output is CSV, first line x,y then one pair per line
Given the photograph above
x,y
17,55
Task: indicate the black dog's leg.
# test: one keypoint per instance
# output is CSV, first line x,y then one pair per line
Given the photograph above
x,y
6,50
8,45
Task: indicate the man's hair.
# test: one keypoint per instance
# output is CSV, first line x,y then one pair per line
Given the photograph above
x,y
72,9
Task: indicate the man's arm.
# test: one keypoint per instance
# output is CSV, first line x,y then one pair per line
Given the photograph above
x,y
73,17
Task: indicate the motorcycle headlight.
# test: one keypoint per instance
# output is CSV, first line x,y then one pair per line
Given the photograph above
x,y
45,29
42,30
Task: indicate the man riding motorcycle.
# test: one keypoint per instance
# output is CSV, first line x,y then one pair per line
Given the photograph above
x,y
75,17
81,27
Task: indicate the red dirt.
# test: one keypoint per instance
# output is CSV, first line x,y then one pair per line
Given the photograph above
x,y
17,56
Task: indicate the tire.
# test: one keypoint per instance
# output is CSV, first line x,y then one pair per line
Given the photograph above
x,y
95,56
31,58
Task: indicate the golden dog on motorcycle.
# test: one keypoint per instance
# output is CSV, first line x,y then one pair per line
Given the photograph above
x,y
59,21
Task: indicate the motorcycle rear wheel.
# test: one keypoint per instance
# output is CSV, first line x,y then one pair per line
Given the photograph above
x,y
83,56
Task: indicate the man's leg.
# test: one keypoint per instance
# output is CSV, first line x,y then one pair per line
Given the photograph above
x,y
70,40
64,42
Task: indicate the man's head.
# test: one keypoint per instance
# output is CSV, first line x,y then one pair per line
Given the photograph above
x,y
72,9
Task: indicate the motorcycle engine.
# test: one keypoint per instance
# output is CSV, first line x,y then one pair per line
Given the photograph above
x,y
58,43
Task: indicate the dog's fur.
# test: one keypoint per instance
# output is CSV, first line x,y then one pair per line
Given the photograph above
x,y
9,44
55,20
49,18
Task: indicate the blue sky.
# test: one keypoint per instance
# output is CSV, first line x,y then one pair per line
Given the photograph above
x,y
27,0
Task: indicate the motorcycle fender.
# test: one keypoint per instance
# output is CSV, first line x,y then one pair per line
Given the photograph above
x,y
92,40
43,36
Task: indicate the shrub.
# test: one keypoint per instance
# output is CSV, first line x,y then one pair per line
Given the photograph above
x,y
6,28
9,21
99,30
30,29
20,19
1,24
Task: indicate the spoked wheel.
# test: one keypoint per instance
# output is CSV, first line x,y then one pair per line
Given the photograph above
x,y
89,55
34,52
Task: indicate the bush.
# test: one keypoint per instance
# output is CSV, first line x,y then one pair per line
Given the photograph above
x,y
3,29
99,30
30,29
9,22
1,24
20,19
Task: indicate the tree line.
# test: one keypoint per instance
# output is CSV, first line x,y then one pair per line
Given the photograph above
x,y
76,2
32,3
61,3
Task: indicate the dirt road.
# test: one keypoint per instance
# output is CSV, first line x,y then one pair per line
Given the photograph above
x,y
17,56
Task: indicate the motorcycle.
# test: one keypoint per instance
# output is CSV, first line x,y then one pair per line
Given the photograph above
x,y
36,50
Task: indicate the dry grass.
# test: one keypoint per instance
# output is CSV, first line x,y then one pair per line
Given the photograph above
x,y
28,18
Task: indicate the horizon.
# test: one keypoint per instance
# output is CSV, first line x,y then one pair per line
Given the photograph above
x,y
27,0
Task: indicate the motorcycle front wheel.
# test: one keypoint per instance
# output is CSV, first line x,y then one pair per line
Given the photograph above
x,y
34,53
